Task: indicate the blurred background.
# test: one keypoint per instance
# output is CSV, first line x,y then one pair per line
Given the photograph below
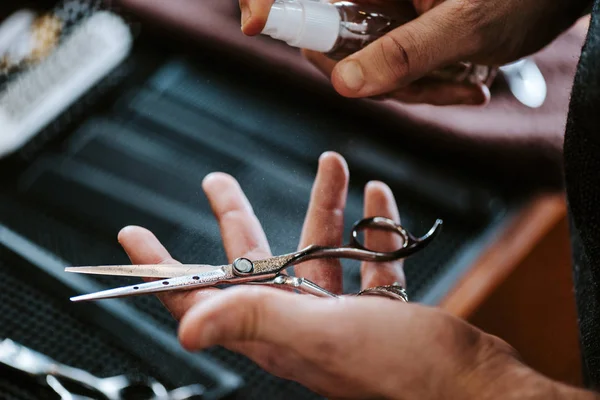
x,y
112,113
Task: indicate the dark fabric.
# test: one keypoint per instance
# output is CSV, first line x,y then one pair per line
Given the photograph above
x,y
582,173
587,290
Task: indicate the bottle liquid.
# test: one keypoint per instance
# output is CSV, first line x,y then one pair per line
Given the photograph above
x,y
342,28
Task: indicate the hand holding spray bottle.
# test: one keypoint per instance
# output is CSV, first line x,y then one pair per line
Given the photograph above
x,y
343,28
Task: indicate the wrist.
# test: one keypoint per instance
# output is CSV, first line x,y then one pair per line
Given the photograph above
x,y
501,375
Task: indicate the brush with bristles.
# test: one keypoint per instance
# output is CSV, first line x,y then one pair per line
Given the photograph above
x,y
63,74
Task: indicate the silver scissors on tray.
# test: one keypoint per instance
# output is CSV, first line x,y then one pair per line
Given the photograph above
x,y
269,271
59,377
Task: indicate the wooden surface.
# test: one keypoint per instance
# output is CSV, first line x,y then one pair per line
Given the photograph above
x,y
522,291
523,233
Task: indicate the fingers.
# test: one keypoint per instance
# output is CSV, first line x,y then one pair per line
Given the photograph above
x,y
324,223
380,202
436,38
254,15
143,247
242,233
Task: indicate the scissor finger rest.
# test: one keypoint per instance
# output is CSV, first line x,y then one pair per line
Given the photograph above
x,y
410,243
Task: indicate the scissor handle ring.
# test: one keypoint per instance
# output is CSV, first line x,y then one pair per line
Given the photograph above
x,y
410,244
380,223
357,251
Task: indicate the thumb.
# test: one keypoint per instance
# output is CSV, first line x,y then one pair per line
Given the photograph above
x,y
259,314
254,314
441,36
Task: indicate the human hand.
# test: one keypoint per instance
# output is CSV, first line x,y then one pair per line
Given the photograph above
x,y
338,348
349,347
324,225
366,348
445,33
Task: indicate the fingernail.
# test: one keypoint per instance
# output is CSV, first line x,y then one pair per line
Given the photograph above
x,y
351,74
374,184
325,155
208,179
128,228
380,186
125,231
210,176
246,14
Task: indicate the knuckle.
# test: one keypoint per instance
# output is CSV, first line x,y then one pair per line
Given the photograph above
x,y
255,251
476,24
238,216
232,214
470,11
395,60
329,211
165,260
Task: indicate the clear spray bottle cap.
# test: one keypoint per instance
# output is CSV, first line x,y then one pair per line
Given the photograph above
x,y
306,24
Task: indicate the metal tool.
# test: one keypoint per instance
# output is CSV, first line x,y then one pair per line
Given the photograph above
x,y
266,272
56,375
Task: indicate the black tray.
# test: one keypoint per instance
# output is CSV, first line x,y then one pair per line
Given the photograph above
x,y
37,278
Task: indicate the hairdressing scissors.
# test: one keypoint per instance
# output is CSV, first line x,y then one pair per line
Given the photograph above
x,y
269,271
69,382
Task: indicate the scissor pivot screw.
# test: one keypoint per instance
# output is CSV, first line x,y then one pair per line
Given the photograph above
x,y
243,266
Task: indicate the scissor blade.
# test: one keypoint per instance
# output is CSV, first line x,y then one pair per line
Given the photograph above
x,y
211,278
145,271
